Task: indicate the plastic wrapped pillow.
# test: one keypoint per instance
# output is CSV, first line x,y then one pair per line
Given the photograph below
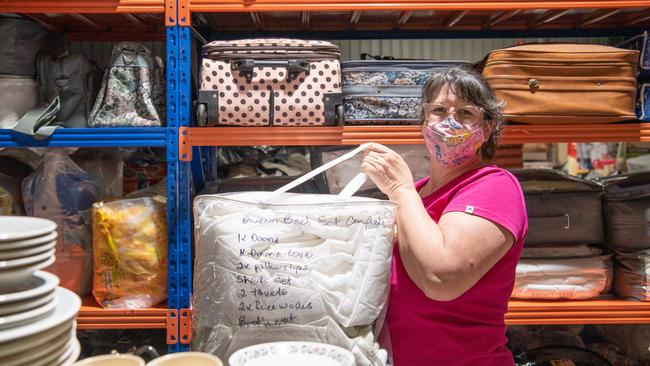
x,y
563,278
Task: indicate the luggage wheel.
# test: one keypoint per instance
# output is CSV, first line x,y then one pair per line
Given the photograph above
x,y
201,115
339,115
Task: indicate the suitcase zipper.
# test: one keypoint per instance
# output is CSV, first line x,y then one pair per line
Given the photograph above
x,y
382,91
380,65
219,52
544,61
272,56
209,48
567,83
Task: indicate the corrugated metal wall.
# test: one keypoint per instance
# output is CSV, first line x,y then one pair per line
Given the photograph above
x,y
100,52
443,49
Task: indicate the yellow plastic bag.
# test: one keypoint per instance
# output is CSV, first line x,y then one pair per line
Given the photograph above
x,y
130,252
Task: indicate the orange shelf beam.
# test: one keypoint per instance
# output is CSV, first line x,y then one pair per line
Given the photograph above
x,y
578,312
397,135
565,312
341,5
519,306
93,316
577,321
82,6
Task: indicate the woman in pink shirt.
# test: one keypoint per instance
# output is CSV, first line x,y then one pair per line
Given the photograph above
x,y
460,231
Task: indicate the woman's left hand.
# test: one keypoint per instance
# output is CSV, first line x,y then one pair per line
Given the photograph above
x,y
387,170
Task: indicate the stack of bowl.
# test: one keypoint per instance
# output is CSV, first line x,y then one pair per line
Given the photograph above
x,y
37,318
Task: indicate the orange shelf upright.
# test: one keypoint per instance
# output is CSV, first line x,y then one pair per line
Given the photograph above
x,y
359,5
82,6
93,316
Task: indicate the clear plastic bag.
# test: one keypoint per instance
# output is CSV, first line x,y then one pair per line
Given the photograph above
x,y
130,243
105,167
10,202
61,191
143,168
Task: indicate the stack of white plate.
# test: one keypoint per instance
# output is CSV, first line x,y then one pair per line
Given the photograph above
x,y
27,244
37,318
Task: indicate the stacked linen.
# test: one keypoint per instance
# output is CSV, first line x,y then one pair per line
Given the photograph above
x,y
552,272
313,268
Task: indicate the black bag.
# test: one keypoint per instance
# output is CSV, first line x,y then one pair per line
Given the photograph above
x,y
21,41
561,208
561,356
631,275
386,91
75,79
627,211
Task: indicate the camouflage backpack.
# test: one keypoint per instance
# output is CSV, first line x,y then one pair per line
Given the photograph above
x,y
132,92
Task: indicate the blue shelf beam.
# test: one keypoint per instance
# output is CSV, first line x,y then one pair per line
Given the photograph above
x,y
90,137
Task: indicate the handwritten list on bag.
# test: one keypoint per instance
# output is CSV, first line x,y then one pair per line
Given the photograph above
x,y
301,270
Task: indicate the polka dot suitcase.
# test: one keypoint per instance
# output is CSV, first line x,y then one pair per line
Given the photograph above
x,y
270,82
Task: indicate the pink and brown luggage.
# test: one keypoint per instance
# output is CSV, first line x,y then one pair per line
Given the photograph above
x,y
564,83
270,82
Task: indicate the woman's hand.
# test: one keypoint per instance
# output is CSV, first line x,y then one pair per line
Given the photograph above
x,y
387,170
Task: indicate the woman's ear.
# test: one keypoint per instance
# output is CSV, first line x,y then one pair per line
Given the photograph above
x,y
487,129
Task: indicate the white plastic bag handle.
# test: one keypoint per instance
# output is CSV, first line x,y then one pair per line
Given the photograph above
x,y
350,189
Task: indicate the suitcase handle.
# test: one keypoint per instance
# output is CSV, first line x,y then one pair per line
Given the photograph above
x,y
293,67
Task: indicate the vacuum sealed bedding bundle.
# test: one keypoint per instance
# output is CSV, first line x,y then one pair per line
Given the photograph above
x,y
627,211
130,246
632,275
292,267
555,274
561,208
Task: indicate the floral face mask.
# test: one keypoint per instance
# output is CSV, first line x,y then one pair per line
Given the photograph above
x,y
451,143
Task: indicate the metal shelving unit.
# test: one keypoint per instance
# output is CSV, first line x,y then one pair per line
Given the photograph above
x,y
136,20
340,19
169,20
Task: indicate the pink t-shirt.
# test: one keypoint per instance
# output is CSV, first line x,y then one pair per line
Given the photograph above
x,y
469,330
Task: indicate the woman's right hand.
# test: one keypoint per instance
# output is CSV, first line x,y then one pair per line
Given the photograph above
x,y
387,170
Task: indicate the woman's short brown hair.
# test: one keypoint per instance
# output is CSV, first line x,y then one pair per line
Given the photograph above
x,y
470,86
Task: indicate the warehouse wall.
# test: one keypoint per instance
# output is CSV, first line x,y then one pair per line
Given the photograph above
x,y
100,52
443,49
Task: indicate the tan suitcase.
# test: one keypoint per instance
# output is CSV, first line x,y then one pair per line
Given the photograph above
x,y
564,83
